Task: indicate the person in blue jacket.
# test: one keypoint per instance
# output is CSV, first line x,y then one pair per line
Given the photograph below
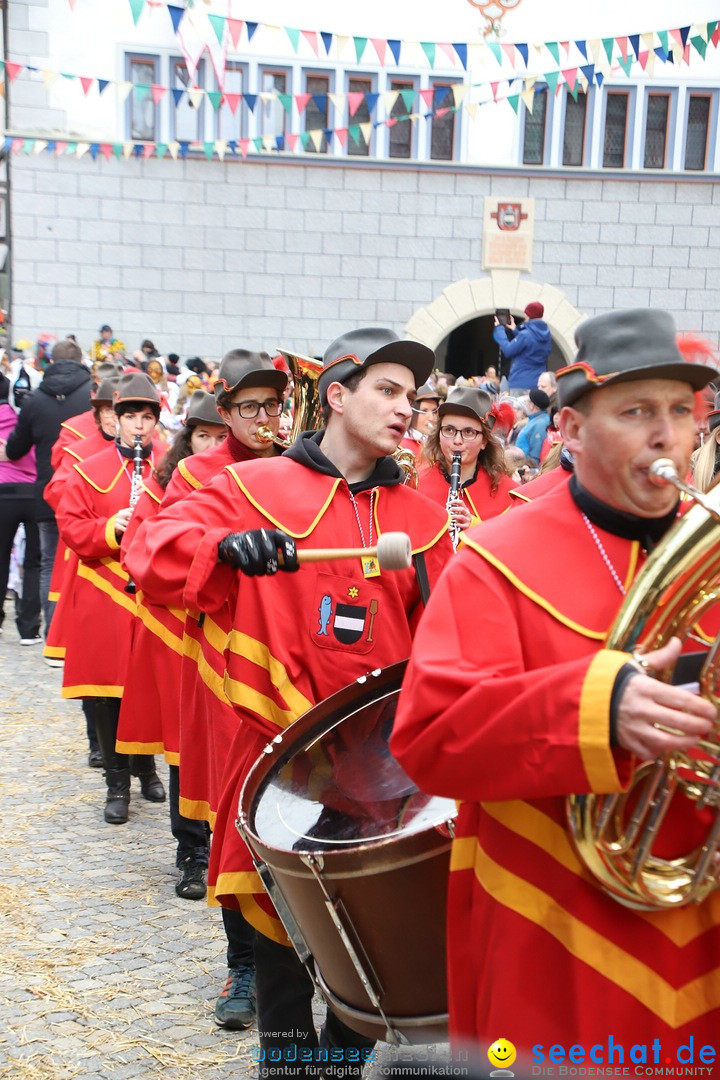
x,y
527,347
532,436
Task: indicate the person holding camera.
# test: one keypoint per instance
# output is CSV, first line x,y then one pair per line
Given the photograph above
x,y
527,347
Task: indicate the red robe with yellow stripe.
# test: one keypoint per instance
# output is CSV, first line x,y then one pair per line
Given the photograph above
x,y
482,501
76,428
65,564
101,613
284,652
505,706
149,714
207,720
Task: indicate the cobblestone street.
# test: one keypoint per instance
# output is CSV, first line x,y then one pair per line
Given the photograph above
x,y
104,972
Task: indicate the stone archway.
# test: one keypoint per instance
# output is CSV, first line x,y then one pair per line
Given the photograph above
x,y
465,299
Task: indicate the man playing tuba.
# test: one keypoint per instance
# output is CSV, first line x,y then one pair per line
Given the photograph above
x,y
510,703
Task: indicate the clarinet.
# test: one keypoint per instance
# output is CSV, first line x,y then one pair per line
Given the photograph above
x,y
452,496
135,492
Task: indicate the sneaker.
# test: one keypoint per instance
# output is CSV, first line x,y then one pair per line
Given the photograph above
x,y
39,640
191,885
236,1008
54,661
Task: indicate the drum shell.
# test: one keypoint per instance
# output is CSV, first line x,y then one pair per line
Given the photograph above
x,y
390,894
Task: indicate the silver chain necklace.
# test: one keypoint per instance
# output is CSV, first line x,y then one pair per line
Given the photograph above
x,y
605,557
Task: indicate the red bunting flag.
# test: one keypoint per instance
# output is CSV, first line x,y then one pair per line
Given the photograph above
x,y
494,88
447,48
148,149
427,96
13,70
570,77
158,93
355,100
623,47
301,101
60,148
233,101
291,140
341,136
243,144
86,84
312,40
235,27
106,150
509,51
379,45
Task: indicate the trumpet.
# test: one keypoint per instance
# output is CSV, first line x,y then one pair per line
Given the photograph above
x,y
307,413
452,496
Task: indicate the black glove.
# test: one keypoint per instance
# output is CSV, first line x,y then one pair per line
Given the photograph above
x,y
255,552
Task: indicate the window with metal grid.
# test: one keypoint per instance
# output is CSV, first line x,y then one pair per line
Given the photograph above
x,y
534,135
442,134
317,110
658,110
400,134
616,111
574,130
697,131
357,144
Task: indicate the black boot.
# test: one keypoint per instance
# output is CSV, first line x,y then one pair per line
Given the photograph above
x,y
143,766
117,769
117,805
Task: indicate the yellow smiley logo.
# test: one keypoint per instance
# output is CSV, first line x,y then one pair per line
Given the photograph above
x,y
502,1054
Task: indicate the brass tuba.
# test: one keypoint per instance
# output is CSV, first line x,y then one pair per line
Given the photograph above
x,y
307,413
614,834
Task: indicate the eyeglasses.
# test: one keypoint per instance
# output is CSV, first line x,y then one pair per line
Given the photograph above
x,y
250,409
468,434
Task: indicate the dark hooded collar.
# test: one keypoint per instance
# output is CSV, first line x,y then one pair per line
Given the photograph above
x,y
307,451
647,531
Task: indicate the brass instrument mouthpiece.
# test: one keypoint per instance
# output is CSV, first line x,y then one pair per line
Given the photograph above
x,y
663,471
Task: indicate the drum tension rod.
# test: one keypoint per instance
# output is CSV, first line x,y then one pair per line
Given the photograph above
x,y
338,912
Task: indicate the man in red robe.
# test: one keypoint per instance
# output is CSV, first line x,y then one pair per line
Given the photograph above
x,y
510,704
287,648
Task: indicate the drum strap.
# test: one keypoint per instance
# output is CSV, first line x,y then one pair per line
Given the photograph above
x,y
422,576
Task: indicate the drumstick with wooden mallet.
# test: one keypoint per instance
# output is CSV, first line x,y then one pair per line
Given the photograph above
x,y
393,551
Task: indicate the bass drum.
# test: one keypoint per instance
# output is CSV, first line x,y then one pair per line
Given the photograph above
x,y
356,860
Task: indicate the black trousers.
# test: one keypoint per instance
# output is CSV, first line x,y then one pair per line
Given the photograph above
x,y
17,506
285,1020
241,939
193,837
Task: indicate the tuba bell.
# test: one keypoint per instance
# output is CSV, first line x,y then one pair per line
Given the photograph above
x,y
614,835
307,412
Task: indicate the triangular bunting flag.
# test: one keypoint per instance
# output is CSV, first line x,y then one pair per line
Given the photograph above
x,y
459,91
292,141
380,47
218,24
184,147
102,85
552,78
321,101
327,40
279,142
371,101
634,40
523,50
700,45
394,46
176,14
136,7
354,100
595,45
148,150
301,101
127,149
494,87
174,150
581,47
528,97
588,71
622,43
312,40
514,100
360,43
509,51
599,78
235,30
366,130
428,47
49,77
461,50
626,64
664,39
684,35
82,148
609,46
354,133
161,149
570,77
13,70
427,96
471,108
446,48
141,92
216,98
294,36
286,102
123,90
338,102
250,100
106,150
195,96
86,83
552,48
177,95
495,50
158,92
208,150
232,100
41,144
645,58
316,137
251,27
341,134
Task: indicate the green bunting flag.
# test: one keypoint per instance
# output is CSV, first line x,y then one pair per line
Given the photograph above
x,y
136,6
218,24
360,43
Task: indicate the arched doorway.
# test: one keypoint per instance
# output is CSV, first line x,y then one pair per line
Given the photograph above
x,y
458,325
